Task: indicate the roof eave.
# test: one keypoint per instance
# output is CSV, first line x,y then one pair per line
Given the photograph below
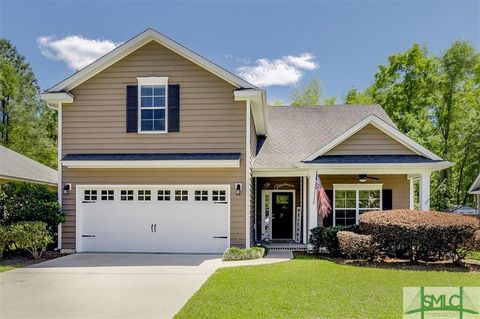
x,y
258,102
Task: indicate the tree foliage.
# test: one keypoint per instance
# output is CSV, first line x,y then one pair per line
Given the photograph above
x,y
28,126
436,101
311,95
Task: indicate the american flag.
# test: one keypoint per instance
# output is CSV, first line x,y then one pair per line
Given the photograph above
x,y
323,203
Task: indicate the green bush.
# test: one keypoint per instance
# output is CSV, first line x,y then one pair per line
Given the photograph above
x,y
31,236
29,202
419,235
326,237
355,245
234,253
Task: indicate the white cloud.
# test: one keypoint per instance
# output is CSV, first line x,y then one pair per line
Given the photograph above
x,y
285,71
74,50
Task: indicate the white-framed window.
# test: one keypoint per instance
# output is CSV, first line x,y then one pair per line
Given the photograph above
x,y
201,195
181,195
107,194
144,195
219,196
90,194
126,194
152,104
163,195
352,200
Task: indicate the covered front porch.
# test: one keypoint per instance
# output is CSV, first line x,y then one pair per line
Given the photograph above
x,y
285,205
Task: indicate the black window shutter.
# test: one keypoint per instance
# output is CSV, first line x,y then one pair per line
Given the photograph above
x,y
174,108
132,108
328,221
387,196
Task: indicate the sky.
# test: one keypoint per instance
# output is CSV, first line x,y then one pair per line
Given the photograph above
x,y
277,45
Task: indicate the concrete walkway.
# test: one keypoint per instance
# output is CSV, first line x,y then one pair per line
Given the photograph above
x,y
111,285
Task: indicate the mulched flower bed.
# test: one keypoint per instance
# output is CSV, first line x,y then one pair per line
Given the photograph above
x,y
26,260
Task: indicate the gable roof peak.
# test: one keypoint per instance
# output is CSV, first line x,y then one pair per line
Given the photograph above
x,y
135,43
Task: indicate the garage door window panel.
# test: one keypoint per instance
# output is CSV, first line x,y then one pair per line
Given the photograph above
x,y
163,195
219,196
107,195
181,195
90,195
201,195
144,195
126,195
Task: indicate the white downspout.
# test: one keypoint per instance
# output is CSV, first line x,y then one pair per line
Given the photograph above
x,y
248,176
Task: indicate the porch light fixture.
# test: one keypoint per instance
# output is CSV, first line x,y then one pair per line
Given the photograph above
x,y
66,188
362,178
238,188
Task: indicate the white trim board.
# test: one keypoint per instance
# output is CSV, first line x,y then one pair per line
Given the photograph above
x,y
134,44
385,128
154,164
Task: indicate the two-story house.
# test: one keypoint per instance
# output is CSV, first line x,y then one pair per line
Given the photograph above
x,y
161,150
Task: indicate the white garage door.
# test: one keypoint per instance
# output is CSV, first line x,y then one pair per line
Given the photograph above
x,y
180,219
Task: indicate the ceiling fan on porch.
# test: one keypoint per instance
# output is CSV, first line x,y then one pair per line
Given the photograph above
x,y
362,178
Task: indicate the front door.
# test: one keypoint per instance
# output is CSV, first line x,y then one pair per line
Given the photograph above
x,y
282,215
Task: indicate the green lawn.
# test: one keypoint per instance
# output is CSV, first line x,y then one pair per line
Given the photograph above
x,y
312,288
10,267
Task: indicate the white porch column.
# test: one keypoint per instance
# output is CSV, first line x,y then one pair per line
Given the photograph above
x,y
424,191
311,202
412,193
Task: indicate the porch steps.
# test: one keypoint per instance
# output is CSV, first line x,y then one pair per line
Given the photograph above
x,y
286,246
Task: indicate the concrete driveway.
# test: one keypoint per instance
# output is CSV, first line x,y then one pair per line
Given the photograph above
x,y
104,286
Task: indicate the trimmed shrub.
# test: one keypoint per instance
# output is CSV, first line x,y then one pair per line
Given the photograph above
x,y
31,236
234,253
326,237
355,245
418,234
21,202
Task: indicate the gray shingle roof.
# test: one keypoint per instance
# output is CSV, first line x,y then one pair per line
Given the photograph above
x,y
337,159
15,166
151,157
297,132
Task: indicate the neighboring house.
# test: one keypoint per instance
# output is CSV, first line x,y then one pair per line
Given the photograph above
x,y
462,209
167,152
16,167
475,190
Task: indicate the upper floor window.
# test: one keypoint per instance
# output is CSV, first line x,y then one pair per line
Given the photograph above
x,y
152,95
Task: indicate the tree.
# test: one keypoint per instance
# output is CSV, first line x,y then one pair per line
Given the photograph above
x,y
436,101
308,95
28,125
356,97
276,102
9,82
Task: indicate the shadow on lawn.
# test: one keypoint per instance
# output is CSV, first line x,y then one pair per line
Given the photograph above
x,y
397,264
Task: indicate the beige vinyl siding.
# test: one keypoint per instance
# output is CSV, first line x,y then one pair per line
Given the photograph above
x,y
370,141
399,184
210,121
